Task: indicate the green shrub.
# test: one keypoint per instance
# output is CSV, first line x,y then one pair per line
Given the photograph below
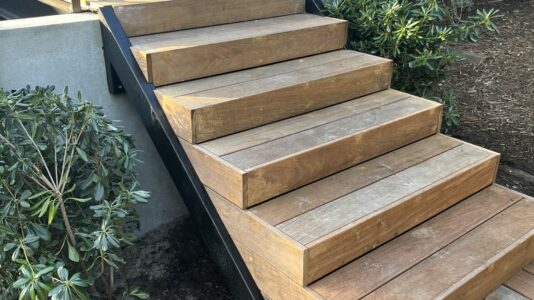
x,y
416,35
67,191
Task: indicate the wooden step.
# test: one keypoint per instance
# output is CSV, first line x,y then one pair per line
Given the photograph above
x,y
464,252
163,16
252,166
212,107
522,282
504,293
182,55
310,232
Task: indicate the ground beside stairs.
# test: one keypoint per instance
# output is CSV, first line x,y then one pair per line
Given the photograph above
x,y
495,94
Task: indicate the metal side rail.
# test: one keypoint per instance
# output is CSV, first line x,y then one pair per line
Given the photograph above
x,y
124,75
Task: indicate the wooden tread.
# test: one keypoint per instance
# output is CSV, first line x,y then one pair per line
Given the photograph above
x,y
163,16
252,166
182,55
464,252
322,226
212,107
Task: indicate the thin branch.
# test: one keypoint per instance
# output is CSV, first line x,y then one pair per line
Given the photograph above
x,y
39,152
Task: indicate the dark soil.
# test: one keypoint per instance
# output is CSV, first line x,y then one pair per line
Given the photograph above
x,y
172,263
496,96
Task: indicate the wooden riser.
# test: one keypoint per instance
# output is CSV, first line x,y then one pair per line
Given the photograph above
x,y
463,253
318,228
249,168
177,56
212,107
164,16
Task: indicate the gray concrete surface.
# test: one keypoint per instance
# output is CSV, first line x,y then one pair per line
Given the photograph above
x,y
66,50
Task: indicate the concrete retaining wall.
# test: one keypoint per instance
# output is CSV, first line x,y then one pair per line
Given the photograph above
x,y
66,50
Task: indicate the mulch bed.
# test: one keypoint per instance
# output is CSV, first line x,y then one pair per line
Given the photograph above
x,y
173,263
496,97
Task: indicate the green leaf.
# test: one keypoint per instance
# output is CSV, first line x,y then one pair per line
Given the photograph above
x,y
63,274
37,195
45,271
81,200
20,283
139,294
73,253
51,213
99,192
82,154
9,246
25,195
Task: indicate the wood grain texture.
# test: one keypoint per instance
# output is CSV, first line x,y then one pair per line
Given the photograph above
x,y
239,77
474,265
266,241
504,293
271,281
529,268
297,202
220,175
523,283
196,53
356,238
273,131
266,152
290,172
292,168
228,109
148,18
378,267
313,225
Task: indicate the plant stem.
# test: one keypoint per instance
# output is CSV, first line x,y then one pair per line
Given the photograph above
x,y
66,222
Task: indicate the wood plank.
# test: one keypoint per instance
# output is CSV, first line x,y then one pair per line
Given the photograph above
x,y
297,202
273,131
238,77
466,268
195,53
327,218
148,18
523,283
266,241
529,268
231,108
273,283
282,175
251,157
376,268
221,175
504,293
363,235
300,168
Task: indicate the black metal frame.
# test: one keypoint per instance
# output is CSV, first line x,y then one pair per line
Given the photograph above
x,y
125,75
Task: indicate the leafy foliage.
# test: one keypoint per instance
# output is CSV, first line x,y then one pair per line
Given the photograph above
x,y
67,191
416,35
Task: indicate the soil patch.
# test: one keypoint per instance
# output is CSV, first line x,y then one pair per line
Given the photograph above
x,y
495,97
173,263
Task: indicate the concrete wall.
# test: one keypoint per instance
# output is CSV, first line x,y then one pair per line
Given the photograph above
x,y
66,50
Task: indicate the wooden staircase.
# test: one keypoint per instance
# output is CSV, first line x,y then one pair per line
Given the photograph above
x,y
331,184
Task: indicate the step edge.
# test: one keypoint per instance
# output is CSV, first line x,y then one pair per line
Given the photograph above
x,y
400,119
412,197
522,248
386,64
152,51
